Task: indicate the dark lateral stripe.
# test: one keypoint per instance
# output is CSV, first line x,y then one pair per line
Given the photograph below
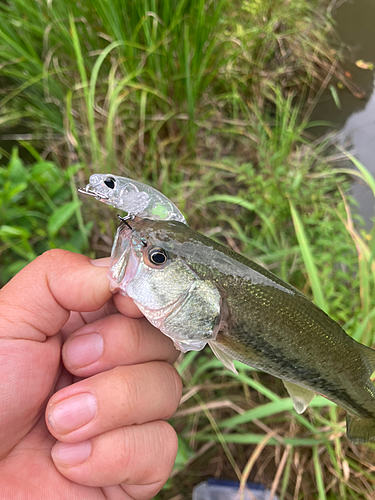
x,y
291,366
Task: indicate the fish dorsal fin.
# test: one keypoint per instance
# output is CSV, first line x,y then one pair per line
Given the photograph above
x,y
301,397
222,356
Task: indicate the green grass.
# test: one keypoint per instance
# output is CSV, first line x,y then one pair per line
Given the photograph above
x,y
40,211
332,262
186,64
208,101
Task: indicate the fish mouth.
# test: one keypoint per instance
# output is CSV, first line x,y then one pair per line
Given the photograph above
x,y
123,269
131,268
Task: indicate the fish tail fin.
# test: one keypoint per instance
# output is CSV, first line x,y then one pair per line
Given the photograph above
x,y
360,430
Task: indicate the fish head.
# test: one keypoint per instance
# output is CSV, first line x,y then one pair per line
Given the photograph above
x,y
148,264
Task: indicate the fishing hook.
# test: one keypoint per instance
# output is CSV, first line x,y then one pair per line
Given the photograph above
x,y
125,219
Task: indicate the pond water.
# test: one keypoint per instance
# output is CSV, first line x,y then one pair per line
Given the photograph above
x,y
355,119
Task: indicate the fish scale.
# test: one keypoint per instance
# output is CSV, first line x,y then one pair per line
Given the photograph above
x,y
290,329
245,313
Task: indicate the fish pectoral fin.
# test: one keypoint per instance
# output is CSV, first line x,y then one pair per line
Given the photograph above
x,y
222,356
360,430
301,397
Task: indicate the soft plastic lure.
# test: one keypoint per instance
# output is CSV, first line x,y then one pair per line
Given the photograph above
x,y
135,198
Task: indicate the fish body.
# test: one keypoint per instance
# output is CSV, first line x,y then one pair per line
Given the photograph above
x,y
135,198
199,292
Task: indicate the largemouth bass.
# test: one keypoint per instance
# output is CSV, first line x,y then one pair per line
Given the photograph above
x,y
199,292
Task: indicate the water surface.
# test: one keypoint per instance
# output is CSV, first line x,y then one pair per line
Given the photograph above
x,y
355,24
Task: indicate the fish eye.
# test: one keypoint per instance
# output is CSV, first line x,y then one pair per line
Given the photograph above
x,y
157,256
110,182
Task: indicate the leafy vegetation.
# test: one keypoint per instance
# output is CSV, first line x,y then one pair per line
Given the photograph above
x,y
37,204
209,101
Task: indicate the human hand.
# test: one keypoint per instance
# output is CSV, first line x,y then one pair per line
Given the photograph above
x,y
106,409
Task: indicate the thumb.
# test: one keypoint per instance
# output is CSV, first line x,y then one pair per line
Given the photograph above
x,y
34,306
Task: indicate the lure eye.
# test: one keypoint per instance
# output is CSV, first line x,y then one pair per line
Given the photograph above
x,y
110,182
157,256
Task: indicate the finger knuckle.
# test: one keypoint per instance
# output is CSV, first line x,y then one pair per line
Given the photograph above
x,y
52,257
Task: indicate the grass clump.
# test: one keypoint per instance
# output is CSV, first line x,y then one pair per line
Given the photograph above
x,y
299,456
208,101
37,204
128,83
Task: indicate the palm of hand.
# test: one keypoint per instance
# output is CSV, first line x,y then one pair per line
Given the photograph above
x,y
29,472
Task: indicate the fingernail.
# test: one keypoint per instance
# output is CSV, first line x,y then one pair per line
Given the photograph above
x,y
72,413
83,350
104,262
69,455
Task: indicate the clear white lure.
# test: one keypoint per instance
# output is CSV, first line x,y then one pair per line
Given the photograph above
x,y
135,198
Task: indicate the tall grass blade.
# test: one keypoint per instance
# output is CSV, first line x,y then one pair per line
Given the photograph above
x,y
237,200
250,438
98,65
61,216
94,146
267,410
308,260
219,435
366,175
366,264
319,475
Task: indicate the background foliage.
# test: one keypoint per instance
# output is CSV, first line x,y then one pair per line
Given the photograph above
x,y
209,101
